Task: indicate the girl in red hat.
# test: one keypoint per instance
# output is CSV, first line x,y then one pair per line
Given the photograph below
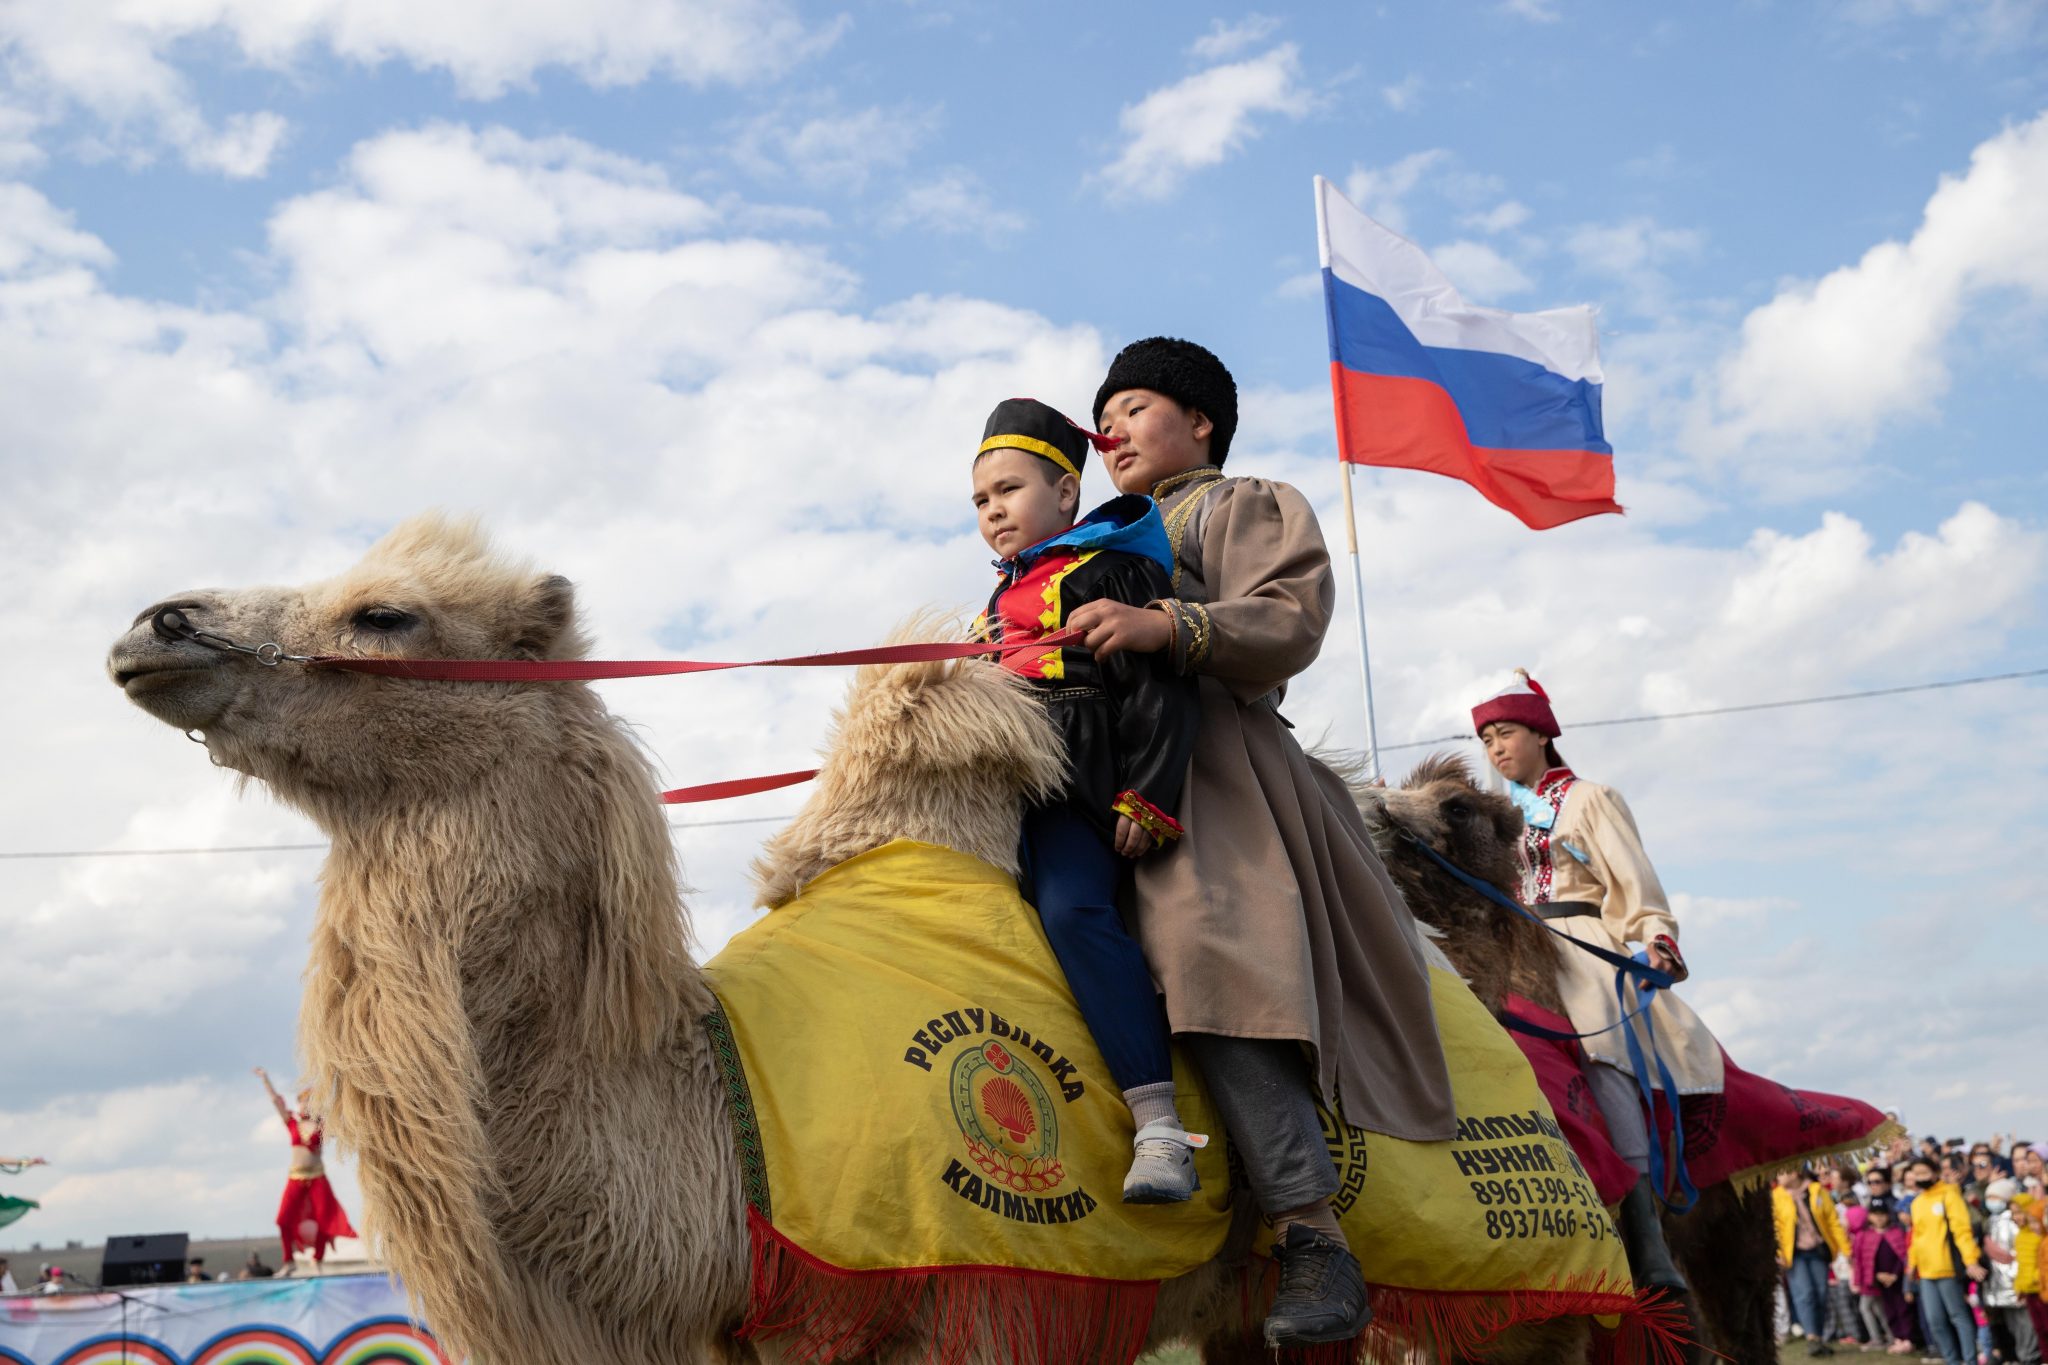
x,y
1584,870
309,1217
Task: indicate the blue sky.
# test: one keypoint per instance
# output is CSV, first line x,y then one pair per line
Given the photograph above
x,y
698,302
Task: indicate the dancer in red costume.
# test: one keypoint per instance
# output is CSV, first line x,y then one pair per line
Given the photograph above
x,y
309,1216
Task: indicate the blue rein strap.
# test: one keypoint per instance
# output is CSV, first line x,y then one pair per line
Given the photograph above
x,y
1649,981
1688,1193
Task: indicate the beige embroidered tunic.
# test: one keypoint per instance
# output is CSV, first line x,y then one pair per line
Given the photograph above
x,y
1616,876
1273,917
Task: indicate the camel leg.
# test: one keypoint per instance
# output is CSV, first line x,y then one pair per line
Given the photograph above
x,y
1727,1249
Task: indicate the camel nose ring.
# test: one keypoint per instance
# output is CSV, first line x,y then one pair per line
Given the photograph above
x,y
171,624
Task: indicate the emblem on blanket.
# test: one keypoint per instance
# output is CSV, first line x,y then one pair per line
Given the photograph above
x,y
1011,1129
1007,1119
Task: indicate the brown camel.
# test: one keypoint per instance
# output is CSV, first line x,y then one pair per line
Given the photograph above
x,y
502,1019
1725,1246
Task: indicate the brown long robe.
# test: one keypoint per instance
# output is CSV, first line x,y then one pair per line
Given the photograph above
x,y
1273,917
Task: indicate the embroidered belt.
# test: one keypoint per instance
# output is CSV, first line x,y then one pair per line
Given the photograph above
x,y
1565,909
304,1175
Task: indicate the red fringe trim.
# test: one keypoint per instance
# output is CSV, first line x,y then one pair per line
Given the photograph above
x,y
1457,1325
821,1312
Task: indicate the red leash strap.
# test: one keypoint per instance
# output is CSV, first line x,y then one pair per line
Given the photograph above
x,y
742,786
596,670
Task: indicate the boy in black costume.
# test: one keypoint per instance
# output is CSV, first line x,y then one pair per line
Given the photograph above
x,y
1128,722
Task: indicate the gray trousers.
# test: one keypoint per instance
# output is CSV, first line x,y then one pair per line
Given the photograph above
x,y
1264,1092
2026,1347
1621,1104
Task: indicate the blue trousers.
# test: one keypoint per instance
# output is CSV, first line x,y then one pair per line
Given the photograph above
x,y
1951,1326
1071,874
1808,1280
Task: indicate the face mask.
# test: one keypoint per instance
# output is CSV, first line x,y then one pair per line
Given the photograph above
x,y
1995,1205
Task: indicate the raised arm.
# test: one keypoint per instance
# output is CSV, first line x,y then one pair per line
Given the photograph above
x,y
276,1100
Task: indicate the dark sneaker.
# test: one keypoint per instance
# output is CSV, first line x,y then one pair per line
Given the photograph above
x,y
1322,1292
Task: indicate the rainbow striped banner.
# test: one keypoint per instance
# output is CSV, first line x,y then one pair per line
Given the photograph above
x,y
326,1320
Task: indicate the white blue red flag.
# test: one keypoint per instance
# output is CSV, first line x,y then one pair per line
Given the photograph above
x,y
1507,402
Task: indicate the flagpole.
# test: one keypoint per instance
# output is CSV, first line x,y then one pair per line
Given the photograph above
x,y
1372,729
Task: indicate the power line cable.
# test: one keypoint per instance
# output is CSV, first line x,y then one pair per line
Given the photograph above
x,y
1739,709
1752,706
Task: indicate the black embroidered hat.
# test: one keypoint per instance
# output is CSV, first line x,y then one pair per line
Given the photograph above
x,y
1188,374
1029,425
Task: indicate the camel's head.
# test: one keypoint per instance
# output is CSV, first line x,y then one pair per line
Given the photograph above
x,y
430,589
1443,806
943,752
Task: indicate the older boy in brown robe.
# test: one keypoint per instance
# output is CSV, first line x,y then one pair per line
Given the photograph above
x,y
1276,927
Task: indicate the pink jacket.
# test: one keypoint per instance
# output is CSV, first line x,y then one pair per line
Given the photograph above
x,y
1863,1245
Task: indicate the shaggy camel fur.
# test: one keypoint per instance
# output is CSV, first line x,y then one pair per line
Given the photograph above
x,y
1724,1245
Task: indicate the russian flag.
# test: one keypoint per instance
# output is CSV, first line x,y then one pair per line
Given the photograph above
x,y
1507,402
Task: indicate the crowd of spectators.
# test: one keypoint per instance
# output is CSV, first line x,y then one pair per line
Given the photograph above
x,y
1933,1250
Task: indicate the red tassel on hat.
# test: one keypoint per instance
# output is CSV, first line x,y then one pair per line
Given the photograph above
x,y
1525,703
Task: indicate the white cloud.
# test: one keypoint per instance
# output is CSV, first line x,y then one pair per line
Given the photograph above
x,y
1307,285
121,62
1481,273
1406,96
18,150
1826,362
1634,254
242,148
1982,25
954,202
828,146
36,236
1383,191
1536,11
1505,216
1227,40
1200,121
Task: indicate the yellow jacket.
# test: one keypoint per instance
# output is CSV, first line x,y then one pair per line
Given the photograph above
x,y
1939,1213
2027,1246
1826,1221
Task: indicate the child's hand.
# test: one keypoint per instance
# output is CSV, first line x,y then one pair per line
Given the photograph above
x,y
1108,627
1131,839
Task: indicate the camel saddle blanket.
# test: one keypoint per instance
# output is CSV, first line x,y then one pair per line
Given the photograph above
x,y
1745,1133
914,1095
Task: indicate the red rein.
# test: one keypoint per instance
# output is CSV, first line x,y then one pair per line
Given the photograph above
x,y
598,670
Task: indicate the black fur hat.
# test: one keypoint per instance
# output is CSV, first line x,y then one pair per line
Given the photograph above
x,y
1188,374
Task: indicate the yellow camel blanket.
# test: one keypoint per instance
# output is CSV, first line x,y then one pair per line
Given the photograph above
x,y
914,1094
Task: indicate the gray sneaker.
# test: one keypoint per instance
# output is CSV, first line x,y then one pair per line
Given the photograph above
x,y
1163,1166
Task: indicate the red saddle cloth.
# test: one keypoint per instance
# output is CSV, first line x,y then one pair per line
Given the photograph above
x,y
1754,1128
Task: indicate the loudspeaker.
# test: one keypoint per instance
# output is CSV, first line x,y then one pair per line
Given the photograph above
x,y
156,1259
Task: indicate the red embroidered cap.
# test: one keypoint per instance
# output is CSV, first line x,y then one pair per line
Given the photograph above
x,y
1524,702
